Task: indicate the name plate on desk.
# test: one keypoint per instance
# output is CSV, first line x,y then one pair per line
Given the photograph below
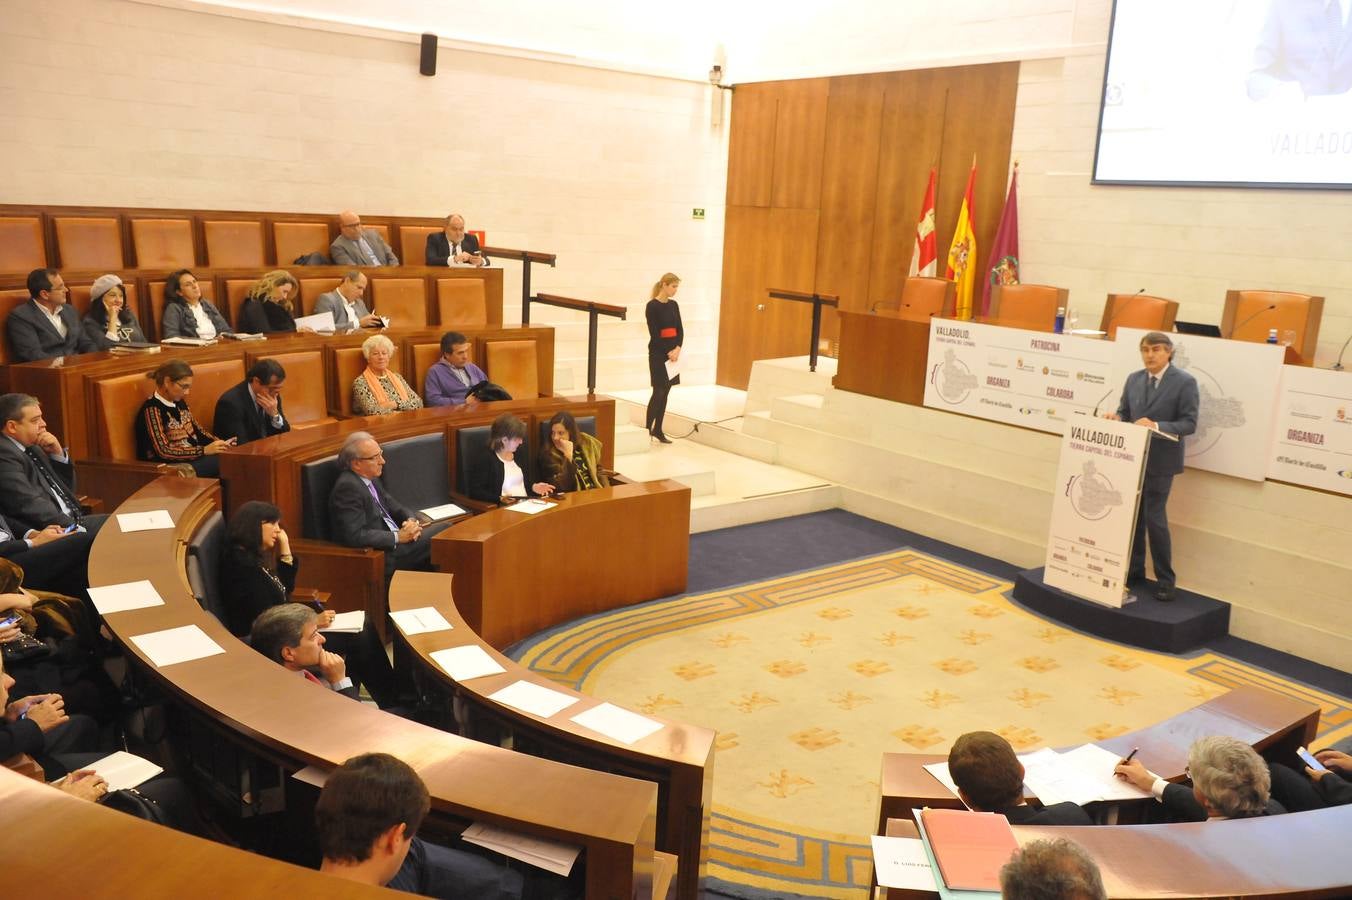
x,y
1313,441
1028,378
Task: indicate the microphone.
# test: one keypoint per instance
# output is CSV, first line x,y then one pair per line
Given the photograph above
x,y
1123,308
1268,308
1104,397
1338,366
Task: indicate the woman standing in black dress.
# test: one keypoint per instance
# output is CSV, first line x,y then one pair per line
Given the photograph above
x,y
665,336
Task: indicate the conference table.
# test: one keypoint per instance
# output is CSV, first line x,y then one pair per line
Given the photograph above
x,y
258,705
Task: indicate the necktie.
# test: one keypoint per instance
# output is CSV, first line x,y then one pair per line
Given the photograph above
x,y
385,513
1154,383
58,488
313,678
370,254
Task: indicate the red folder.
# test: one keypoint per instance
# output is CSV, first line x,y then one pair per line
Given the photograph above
x,y
970,847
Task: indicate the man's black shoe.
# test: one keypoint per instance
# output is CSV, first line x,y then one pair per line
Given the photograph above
x,y
1164,595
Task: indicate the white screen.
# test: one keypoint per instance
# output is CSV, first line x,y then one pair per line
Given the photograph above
x,y
1228,92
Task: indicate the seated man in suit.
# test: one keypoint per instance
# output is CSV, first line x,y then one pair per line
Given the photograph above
x,y
449,379
345,302
362,514
252,409
288,634
366,820
46,327
1051,868
454,247
52,558
1229,781
357,246
990,779
37,480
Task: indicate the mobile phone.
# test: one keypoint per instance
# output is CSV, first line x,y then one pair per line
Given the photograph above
x,y
69,528
12,620
1310,761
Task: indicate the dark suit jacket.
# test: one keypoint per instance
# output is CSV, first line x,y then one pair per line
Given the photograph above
x,y
261,317
1057,814
1173,408
485,480
238,417
24,498
354,519
250,590
344,252
438,251
32,337
1182,806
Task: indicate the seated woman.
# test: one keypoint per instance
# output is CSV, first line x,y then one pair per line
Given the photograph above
x,y
502,478
165,429
1229,781
109,322
267,308
259,572
187,313
572,461
380,390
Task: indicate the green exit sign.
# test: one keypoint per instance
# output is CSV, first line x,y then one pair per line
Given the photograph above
x,y
697,213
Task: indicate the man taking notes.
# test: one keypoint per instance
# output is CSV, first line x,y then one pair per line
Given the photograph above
x,y
346,304
1165,399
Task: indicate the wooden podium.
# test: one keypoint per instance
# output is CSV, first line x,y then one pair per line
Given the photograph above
x,y
883,354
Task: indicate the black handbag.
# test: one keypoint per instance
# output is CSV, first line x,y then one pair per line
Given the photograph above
x,y
24,648
134,803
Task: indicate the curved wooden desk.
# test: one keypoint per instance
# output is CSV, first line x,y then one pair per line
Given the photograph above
x,y
265,708
596,551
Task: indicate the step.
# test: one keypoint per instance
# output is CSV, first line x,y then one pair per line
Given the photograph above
x,y
730,438
772,378
712,513
655,464
630,439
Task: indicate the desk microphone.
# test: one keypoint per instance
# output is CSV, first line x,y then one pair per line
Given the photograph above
x,y
1123,308
1231,335
1338,366
1104,397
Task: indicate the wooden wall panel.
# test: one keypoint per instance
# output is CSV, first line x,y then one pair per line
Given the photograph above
x,y
751,144
800,136
743,289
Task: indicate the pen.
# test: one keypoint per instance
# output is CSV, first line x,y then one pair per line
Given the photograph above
x,y
1131,755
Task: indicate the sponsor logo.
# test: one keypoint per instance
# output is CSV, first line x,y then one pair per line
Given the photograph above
x,y
1304,437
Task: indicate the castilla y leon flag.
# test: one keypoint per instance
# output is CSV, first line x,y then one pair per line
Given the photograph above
x,y
925,257
962,253
1004,260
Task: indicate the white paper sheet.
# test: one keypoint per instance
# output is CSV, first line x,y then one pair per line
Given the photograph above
x,y
551,856
154,520
530,507
673,369
617,723
464,663
311,775
351,622
125,770
420,620
444,511
902,863
320,322
1095,765
113,598
176,645
532,698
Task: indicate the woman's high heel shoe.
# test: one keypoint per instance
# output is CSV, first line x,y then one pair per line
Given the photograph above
x,y
659,436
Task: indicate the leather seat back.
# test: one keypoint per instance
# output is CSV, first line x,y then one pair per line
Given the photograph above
x,y
22,246
234,243
515,366
162,243
88,243
461,303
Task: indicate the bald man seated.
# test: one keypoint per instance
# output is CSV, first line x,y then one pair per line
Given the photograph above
x,y
357,246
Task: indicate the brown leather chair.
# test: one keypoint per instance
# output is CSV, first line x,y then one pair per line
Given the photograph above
x,y
296,239
413,243
1249,315
234,243
461,303
345,364
311,289
923,298
421,356
515,366
163,243
303,395
10,300
22,247
209,381
117,400
1137,311
384,232
1028,306
402,300
88,243
235,290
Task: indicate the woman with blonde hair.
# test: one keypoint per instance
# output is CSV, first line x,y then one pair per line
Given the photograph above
x,y
268,307
665,336
379,390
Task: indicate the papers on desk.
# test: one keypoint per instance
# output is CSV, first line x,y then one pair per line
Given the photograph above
x,y
530,507
124,770
444,511
176,645
113,598
420,620
321,323
154,520
551,856
1083,775
464,663
616,723
902,863
945,892
187,341
347,622
532,698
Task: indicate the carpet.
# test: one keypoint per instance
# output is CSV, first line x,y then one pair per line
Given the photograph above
x,y
809,678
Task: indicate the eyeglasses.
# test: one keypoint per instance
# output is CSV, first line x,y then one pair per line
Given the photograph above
x,y
184,385
377,455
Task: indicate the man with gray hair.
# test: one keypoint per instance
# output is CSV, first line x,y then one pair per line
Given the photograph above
x,y
1229,781
345,302
288,634
1051,870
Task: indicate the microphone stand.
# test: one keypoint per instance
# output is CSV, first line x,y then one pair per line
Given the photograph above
x,y
1231,335
1123,308
1338,366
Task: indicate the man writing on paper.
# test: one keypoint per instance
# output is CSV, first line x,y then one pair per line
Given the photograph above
x,y
1165,399
990,779
346,304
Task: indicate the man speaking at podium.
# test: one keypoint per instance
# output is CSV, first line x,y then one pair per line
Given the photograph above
x,y
1165,399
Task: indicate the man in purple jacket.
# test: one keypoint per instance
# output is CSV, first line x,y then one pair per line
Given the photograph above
x,y
451,377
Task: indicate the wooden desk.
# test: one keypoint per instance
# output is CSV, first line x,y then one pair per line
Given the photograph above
x,y
263,707
1270,722
883,354
598,550
64,847
678,758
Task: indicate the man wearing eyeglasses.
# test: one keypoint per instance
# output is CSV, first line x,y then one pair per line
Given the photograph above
x,y
357,246
47,327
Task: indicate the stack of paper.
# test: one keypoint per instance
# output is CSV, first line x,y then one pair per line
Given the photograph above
x,y
347,622
970,847
444,511
125,770
464,663
530,507
1083,775
543,854
420,620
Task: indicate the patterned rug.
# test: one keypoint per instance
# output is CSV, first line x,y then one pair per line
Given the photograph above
x,y
810,678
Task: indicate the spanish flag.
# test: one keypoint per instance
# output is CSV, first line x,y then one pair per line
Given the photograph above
x,y
962,253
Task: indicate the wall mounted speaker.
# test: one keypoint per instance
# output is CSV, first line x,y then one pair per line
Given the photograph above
x,y
427,61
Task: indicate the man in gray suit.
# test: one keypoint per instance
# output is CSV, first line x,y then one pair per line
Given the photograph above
x,y
358,246
345,302
1163,398
46,327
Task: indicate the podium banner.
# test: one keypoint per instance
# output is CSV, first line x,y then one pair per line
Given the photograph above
x,y
1028,378
1313,443
1093,516
1238,383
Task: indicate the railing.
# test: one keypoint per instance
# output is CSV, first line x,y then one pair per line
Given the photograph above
x,y
593,311
817,301
525,257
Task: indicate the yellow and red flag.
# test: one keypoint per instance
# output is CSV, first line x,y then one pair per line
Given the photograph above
x,y
925,256
962,253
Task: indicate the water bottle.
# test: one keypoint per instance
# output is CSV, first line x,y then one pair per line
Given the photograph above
x,y
1272,336
1061,320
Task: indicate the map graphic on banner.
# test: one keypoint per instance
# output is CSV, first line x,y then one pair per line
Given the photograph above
x,y
1313,441
1237,381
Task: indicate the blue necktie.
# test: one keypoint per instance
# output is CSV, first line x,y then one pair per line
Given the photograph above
x,y
389,521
